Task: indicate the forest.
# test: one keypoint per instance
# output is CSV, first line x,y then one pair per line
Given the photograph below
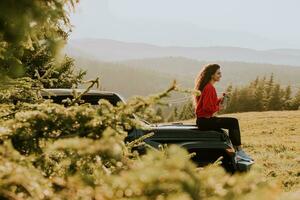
x,y
261,94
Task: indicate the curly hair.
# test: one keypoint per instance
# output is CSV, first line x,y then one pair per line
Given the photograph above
x,y
204,77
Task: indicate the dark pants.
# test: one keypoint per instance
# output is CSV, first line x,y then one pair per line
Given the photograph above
x,y
214,123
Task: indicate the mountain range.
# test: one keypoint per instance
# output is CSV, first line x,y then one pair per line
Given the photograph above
x,y
152,75
142,69
112,50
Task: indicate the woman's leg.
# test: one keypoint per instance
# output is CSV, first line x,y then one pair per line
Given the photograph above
x,y
232,124
229,123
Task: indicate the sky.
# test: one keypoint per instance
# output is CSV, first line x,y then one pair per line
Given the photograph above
x,y
256,24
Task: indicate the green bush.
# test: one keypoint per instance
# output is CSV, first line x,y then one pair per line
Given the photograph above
x,y
50,151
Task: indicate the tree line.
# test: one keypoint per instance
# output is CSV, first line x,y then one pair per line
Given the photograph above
x,y
261,94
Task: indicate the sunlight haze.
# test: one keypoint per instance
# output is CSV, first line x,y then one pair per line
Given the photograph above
x,y
257,24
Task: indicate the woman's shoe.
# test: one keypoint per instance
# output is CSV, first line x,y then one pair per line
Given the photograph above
x,y
242,155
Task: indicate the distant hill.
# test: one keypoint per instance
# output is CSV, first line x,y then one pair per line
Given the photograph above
x,y
111,50
237,73
146,76
126,80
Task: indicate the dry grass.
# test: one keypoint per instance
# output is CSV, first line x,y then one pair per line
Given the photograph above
x,y
273,139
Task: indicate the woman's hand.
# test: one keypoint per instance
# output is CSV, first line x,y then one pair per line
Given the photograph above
x,y
221,99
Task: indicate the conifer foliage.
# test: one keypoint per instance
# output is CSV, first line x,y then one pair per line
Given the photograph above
x,y
31,36
50,151
262,94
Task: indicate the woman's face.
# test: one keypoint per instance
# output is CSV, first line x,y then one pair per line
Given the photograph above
x,y
217,76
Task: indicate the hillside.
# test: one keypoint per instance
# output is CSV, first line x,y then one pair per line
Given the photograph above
x,y
237,73
124,79
112,50
273,139
146,76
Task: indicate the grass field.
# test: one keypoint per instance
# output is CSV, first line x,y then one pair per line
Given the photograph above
x,y
273,139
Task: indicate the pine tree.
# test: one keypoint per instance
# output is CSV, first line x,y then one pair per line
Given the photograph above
x,y
41,60
190,111
269,85
258,104
256,81
28,23
287,98
275,102
233,102
251,94
244,100
268,90
296,101
187,111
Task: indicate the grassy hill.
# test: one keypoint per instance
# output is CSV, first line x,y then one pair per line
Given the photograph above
x,y
273,140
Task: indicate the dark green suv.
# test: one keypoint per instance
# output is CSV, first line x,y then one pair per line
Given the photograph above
x,y
208,145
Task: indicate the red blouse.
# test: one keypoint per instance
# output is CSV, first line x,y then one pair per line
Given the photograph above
x,y
208,103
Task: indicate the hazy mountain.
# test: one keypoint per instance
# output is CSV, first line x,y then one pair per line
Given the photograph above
x,y
126,80
237,73
147,76
111,50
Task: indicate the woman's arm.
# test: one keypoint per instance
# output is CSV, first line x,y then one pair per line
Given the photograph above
x,y
210,101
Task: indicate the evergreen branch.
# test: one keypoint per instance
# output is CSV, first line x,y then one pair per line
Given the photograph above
x,y
77,98
136,142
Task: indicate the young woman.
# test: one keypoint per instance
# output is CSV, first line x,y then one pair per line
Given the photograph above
x,y
208,104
